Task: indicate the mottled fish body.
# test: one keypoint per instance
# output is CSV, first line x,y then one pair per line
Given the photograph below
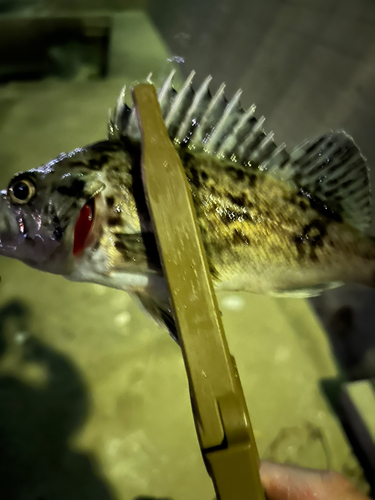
x,y
272,222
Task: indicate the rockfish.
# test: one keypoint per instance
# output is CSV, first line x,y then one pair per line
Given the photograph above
x,y
272,221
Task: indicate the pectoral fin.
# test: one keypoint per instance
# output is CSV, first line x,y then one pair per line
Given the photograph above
x,y
160,311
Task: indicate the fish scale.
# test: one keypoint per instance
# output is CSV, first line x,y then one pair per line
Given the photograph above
x,y
272,221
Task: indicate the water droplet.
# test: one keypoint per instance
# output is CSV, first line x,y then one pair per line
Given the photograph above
x,y
20,337
123,318
177,59
233,302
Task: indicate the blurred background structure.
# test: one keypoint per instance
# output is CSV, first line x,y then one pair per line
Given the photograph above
x,y
93,396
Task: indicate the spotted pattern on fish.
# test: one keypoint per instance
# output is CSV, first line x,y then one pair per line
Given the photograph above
x,y
271,221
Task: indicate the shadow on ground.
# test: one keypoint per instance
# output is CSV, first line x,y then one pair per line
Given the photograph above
x,y
348,317
43,402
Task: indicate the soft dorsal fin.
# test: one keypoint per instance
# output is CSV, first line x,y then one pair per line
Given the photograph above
x,y
330,168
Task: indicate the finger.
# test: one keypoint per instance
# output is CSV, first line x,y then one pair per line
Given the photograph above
x,y
283,482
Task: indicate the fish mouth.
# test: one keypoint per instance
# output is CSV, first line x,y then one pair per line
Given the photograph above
x,y
86,227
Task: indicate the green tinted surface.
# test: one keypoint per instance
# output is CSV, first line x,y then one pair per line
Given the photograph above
x,y
94,398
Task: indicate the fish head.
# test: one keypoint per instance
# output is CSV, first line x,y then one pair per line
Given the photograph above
x,y
55,217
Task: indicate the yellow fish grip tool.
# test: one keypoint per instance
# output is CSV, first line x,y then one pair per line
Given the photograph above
x,y
219,408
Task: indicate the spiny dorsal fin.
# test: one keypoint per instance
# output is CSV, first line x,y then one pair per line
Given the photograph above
x,y
330,168
204,122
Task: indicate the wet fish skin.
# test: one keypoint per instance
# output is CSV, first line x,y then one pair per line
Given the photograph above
x,y
261,233
263,236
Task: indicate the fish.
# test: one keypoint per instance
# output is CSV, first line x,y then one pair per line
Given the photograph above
x,y
272,222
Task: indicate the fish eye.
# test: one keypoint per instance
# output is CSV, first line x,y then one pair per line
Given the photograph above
x,y
21,191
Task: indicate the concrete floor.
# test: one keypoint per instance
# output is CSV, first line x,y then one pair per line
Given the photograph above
x,y
93,396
